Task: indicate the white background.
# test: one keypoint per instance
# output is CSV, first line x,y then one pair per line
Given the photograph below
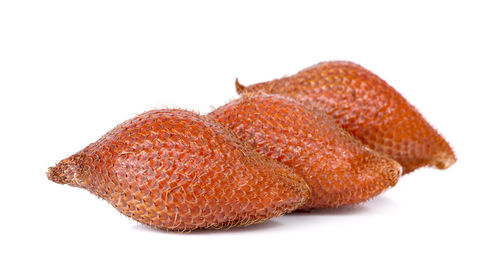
x,y
72,70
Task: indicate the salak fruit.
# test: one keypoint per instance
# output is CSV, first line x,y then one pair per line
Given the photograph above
x,y
339,169
176,170
368,108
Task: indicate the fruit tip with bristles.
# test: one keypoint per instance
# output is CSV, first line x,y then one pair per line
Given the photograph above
x,y
62,173
54,175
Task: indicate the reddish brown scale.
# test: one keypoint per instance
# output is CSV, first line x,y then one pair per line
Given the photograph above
x,y
368,108
176,170
339,170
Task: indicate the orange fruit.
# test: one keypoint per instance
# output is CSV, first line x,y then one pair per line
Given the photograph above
x,y
368,108
339,170
176,170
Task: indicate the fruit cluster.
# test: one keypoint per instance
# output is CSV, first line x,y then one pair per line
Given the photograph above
x,y
332,135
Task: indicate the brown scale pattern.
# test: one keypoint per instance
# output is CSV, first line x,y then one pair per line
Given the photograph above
x,y
339,169
368,108
176,170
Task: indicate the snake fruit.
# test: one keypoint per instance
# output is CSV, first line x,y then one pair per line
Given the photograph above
x,y
177,170
339,169
369,109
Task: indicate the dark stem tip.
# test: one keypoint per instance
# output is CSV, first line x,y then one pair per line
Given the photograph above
x,y
239,87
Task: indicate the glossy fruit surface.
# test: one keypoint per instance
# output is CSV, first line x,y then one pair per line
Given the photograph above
x,y
368,108
339,169
176,170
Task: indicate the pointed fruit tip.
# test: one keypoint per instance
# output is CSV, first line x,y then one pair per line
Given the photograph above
x,y
444,160
62,173
53,174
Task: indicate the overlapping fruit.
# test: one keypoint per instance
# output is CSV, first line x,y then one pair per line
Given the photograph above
x,y
332,135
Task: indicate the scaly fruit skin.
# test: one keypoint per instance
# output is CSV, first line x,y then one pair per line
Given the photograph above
x,y
339,170
176,170
368,108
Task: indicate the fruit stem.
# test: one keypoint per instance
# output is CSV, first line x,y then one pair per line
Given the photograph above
x,y
239,87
